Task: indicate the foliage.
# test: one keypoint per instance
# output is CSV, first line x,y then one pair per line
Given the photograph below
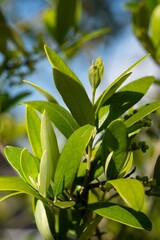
x,y
77,184
146,25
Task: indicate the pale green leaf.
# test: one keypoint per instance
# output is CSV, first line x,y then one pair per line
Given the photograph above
x,y
46,94
45,174
122,215
127,165
16,184
49,143
30,167
131,191
70,158
155,25
13,156
33,131
60,117
43,221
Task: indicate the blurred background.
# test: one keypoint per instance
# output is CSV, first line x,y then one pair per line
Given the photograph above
x,y
118,30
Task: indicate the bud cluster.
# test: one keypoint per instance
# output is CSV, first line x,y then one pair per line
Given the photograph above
x,y
95,73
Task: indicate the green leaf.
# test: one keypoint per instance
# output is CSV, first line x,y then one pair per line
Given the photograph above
x,y
70,158
30,167
156,173
115,140
131,191
64,205
142,112
77,44
9,195
127,165
42,91
127,97
66,20
60,117
49,143
122,215
155,25
13,156
45,174
44,220
88,231
71,90
16,184
33,131
115,85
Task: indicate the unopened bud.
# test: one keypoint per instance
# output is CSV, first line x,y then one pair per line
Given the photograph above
x,y
96,72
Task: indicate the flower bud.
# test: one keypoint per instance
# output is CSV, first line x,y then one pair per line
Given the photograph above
x,y
96,72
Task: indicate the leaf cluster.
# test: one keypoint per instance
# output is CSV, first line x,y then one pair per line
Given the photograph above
x,y
74,187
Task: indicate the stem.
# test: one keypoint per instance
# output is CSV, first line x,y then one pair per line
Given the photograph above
x,y
93,95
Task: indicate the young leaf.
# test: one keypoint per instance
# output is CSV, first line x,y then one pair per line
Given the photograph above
x,y
142,112
42,91
16,184
64,205
33,131
115,85
127,165
127,97
49,143
13,156
70,158
60,117
45,174
131,191
122,215
44,220
71,90
115,140
30,167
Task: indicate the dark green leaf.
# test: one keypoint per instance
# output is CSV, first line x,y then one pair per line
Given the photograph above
x,y
60,117
70,158
115,141
156,174
127,97
122,215
71,90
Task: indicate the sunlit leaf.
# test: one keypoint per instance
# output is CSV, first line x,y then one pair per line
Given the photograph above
x,y
142,112
60,117
50,145
70,157
13,155
43,220
131,191
30,167
33,131
42,91
122,215
8,183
